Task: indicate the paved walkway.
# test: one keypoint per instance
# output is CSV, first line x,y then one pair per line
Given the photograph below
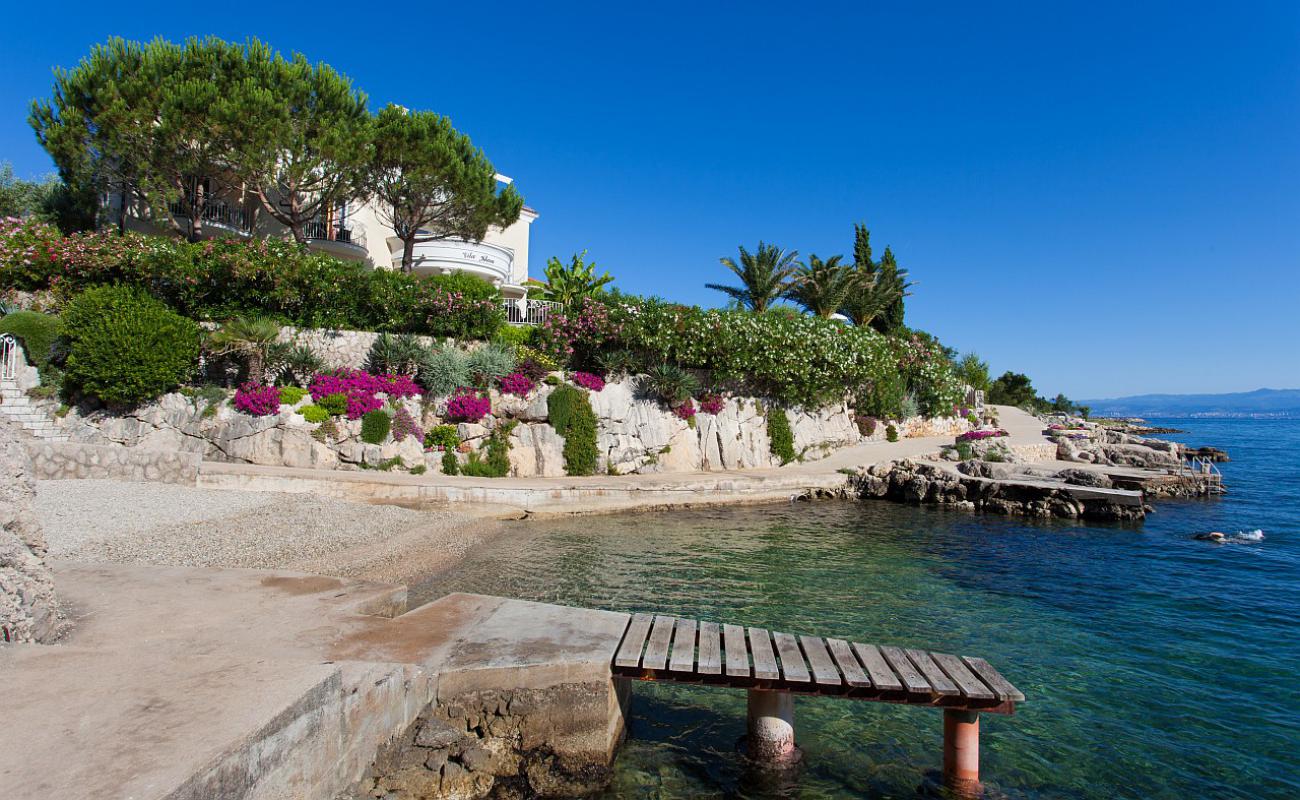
x,y
601,492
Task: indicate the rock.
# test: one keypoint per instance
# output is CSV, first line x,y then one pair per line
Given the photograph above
x,y
1084,477
437,733
28,610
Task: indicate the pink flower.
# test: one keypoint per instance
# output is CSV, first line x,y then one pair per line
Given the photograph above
x,y
258,400
588,380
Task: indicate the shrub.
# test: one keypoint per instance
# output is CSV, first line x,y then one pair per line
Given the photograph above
x,y
333,404
711,404
576,335
405,425
883,396
125,347
909,407
866,424
443,437
551,380
443,370
671,383
375,426
468,405
450,465
570,414
619,362
517,383
418,469
290,395
964,451
514,336
37,333
258,400
470,287
891,432
399,354
779,435
497,463
490,363
534,363
302,362
314,414
588,380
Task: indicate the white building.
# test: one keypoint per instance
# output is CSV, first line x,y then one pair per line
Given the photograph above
x,y
355,232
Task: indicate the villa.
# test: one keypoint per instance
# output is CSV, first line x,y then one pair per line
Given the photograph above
x,y
356,232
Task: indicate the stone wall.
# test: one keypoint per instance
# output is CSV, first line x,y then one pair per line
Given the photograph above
x,y
28,611
66,460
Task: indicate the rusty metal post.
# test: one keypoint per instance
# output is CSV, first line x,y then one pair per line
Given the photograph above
x,y
770,735
961,752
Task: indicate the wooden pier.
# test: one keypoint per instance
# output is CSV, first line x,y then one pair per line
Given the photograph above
x,y
774,667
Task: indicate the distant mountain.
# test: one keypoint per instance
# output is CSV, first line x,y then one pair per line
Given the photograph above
x,y
1259,403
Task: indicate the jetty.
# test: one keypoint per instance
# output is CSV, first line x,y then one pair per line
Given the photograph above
x,y
773,667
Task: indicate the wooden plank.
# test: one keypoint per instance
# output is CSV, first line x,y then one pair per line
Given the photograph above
x,y
939,682
683,659
629,652
1000,685
966,682
760,647
823,668
793,668
733,639
912,679
881,675
710,662
656,650
849,666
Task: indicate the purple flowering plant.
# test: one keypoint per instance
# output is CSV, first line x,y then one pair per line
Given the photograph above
x,y
362,389
711,404
588,380
258,400
468,405
517,383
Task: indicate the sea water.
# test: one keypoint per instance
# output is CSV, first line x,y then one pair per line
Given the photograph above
x,y
1155,665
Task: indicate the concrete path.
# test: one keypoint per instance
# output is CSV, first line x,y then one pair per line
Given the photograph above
x,y
601,492
185,683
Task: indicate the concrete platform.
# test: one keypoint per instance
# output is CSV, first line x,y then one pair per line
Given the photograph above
x,y
205,683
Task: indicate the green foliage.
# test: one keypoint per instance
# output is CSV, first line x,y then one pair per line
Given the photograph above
x,y
891,432
302,363
490,363
883,396
48,199
443,370
375,426
497,462
444,436
821,287
780,436
619,362
418,469
427,180
909,407
37,332
314,414
552,380
326,432
290,395
387,465
336,405
671,383
974,372
450,464
514,336
763,274
569,284
964,451
471,287
569,411
877,299
125,347
399,354
1012,389
251,338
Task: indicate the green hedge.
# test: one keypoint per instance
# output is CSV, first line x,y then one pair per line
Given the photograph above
x,y
36,331
375,426
226,278
125,347
780,436
569,411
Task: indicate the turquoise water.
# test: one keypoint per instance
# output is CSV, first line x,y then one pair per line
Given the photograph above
x,y
1156,666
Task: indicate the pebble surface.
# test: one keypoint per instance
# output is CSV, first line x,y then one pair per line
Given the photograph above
x,y
117,521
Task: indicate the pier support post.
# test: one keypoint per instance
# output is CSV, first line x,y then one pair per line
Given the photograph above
x,y
961,752
770,735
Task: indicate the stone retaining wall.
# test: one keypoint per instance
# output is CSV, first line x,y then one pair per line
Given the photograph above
x,y
66,460
28,611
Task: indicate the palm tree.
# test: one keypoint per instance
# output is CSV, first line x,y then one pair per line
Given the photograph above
x,y
253,338
822,286
764,276
870,296
569,284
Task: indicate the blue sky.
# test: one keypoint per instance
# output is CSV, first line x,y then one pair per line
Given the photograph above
x,y
1105,196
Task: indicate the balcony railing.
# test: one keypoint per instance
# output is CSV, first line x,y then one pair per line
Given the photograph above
x,y
529,312
216,212
334,233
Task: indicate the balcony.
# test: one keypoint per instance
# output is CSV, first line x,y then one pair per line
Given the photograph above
x,y
529,312
491,262
337,239
218,214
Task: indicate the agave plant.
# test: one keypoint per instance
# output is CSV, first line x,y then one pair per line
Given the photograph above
x,y
671,383
302,363
619,362
252,338
764,276
396,355
821,287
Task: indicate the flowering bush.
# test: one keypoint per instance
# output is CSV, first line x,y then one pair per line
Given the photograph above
x,y
258,400
711,404
588,380
577,334
405,425
686,410
361,389
468,405
975,436
517,383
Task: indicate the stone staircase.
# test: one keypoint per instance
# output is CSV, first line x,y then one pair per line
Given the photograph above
x,y
18,407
